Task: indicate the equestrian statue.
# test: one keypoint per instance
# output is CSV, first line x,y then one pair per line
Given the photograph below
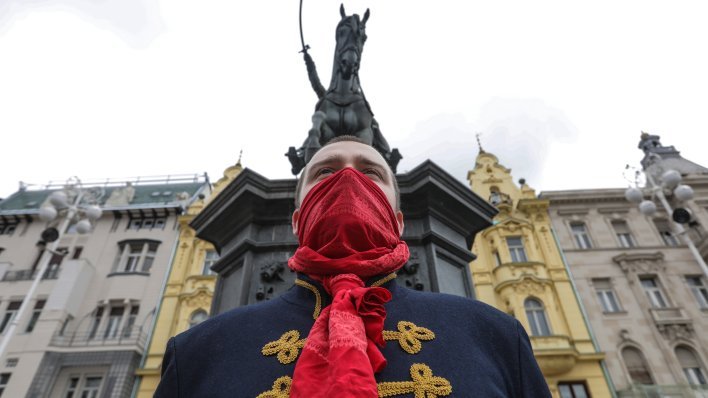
x,y
342,109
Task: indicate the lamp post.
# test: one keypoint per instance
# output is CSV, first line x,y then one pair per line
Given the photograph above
x,y
668,179
60,208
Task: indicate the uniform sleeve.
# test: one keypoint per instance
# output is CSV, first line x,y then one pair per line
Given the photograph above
x,y
169,381
532,383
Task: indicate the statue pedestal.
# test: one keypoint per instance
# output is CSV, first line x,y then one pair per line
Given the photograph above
x,y
249,224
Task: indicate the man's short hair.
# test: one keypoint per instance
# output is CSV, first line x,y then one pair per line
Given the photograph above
x,y
343,138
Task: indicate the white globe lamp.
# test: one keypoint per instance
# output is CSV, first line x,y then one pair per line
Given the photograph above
x,y
647,207
633,195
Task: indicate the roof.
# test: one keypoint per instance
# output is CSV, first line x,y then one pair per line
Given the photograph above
x,y
26,201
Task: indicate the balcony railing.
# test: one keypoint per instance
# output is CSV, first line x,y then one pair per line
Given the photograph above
x,y
669,315
29,274
649,391
135,338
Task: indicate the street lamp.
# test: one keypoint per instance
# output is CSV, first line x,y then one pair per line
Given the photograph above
x,y
65,207
668,180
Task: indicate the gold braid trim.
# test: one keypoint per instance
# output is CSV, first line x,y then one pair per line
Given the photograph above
x,y
423,384
281,388
409,336
318,296
287,347
385,279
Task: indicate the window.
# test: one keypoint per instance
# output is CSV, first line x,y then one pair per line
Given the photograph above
x,y
654,292
10,314
55,262
497,259
83,386
7,229
4,379
606,295
624,236
130,322
537,317
691,365
700,292
12,362
136,255
35,315
573,390
210,259
147,223
580,233
516,249
636,366
664,229
96,322
114,318
197,317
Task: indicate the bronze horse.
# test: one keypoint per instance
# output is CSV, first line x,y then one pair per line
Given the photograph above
x,y
342,109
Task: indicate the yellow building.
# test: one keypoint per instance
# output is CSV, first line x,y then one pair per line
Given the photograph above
x,y
520,270
189,290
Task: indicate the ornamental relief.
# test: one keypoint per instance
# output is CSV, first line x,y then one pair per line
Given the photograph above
x,y
194,283
529,287
674,332
641,263
200,299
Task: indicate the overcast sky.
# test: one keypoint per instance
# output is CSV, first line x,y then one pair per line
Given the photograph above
x,y
559,90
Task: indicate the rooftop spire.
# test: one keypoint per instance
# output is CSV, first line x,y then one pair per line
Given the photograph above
x,y
479,142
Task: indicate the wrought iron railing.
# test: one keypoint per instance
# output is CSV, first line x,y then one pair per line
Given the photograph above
x,y
664,391
136,337
29,274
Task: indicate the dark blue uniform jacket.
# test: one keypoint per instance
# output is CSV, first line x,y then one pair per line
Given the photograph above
x,y
478,350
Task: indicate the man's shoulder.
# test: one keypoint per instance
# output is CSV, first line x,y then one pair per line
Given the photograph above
x,y
241,320
461,310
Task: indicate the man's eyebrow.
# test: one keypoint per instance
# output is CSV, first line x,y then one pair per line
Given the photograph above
x,y
334,158
364,160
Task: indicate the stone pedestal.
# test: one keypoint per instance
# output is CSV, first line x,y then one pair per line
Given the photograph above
x,y
249,224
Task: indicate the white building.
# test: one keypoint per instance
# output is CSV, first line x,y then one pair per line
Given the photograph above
x,y
644,292
86,327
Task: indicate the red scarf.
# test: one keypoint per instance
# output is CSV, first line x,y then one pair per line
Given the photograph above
x,y
347,233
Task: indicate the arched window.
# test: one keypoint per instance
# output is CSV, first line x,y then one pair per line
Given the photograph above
x,y
197,317
691,365
637,366
537,317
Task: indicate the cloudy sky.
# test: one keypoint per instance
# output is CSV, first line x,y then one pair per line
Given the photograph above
x,y
559,90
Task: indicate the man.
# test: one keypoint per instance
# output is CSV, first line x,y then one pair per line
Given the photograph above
x,y
345,329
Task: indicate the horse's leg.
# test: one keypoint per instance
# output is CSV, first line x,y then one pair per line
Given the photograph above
x,y
312,143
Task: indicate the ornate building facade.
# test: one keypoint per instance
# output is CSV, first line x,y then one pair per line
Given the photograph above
x,y
87,323
520,270
187,296
645,294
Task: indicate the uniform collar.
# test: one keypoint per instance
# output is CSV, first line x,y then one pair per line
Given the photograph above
x,y
310,293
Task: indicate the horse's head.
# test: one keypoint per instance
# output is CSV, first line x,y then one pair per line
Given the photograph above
x,y
351,35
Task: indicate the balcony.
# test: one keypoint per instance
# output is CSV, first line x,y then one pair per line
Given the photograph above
x,y
645,391
29,274
555,354
669,316
135,339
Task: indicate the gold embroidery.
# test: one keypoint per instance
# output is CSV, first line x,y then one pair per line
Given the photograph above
x,y
287,347
281,388
409,336
318,296
424,384
384,279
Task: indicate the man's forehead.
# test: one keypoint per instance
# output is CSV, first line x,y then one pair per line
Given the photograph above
x,y
348,151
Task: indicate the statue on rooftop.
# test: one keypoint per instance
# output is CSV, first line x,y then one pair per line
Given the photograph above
x,y
342,109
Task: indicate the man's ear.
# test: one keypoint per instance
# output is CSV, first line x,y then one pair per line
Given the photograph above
x,y
295,221
399,220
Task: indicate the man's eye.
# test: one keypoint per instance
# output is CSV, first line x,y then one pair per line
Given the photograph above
x,y
324,171
372,172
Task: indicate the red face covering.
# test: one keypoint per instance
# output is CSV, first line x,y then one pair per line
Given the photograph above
x,y
347,232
